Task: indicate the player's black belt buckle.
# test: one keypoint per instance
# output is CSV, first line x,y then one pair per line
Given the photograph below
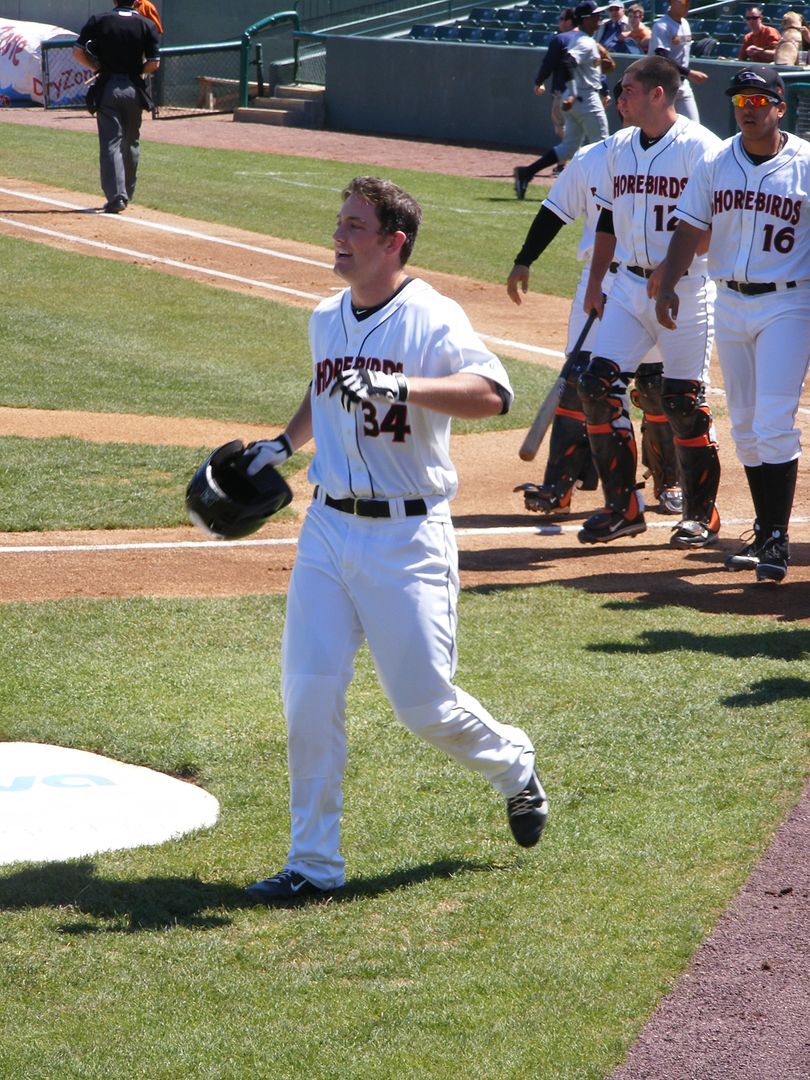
x,y
374,508
614,268
757,288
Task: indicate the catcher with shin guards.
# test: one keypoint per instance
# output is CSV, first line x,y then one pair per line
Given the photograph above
x,y
570,463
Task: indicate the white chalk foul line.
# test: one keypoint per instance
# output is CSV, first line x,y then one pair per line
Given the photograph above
x,y
202,545
176,263
197,235
144,223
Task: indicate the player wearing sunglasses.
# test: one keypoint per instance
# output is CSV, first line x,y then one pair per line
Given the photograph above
x,y
754,195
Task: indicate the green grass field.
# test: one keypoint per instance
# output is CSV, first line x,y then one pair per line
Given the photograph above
x,y
471,227
672,744
453,954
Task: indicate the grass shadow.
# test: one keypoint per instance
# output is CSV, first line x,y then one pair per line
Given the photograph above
x,y
164,903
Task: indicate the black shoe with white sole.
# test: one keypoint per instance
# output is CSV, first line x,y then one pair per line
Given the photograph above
x,y
606,525
747,558
774,556
286,887
528,811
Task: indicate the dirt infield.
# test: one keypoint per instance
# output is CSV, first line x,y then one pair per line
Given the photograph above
x,y
743,1009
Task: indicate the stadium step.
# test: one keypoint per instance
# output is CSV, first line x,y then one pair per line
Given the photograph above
x,y
291,106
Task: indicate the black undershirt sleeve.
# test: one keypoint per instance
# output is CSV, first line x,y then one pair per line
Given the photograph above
x,y
605,222
543,229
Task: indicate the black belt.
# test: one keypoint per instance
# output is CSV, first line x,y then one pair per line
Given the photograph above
x,y
374,508
757,289
614,268
639,271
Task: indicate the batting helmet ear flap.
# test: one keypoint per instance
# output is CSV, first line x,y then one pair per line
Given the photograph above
x,y
227,504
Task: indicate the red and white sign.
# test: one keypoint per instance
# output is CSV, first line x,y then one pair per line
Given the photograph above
x,y
57,803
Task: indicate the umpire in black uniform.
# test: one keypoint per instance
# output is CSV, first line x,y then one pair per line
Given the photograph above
x,y
122,46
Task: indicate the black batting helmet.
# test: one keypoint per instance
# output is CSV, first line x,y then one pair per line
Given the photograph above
x,y
226,503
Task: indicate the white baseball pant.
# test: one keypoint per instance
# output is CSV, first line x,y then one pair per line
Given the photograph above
x,y
763,344
394,583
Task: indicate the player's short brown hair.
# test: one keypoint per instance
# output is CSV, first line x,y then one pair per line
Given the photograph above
x,y
652,71
396,210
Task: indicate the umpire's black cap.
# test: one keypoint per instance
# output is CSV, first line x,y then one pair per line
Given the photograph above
x,y
758,80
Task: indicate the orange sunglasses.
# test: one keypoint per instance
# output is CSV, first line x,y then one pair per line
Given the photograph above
x,y
759,101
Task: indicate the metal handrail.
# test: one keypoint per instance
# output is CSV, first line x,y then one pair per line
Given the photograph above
x,y
249,34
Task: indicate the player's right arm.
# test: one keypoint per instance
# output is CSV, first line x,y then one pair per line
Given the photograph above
x,y
542,231
682,248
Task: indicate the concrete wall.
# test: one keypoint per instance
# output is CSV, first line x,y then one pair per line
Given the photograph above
x,y
467,93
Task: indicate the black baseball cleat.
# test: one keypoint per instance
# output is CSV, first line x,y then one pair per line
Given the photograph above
x,y
116,206
774,556
747,558
528,811
693,534
606,525
286,887
545,499
521,182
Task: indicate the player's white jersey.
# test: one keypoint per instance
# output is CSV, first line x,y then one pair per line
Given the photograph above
x,y
572,194
675,37
384,451
587,76
759,214
642,187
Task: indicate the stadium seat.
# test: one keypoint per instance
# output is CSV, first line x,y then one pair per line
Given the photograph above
x,y
447,33
422,32
541,38
494,35
534,18
483,15
519,37
726,50
510,16
470,33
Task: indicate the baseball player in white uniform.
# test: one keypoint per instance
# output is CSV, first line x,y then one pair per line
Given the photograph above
x,y
646,168
570,464
584,109
393,361
754,196
672,37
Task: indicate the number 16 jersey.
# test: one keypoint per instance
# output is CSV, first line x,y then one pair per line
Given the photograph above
x,y
759,213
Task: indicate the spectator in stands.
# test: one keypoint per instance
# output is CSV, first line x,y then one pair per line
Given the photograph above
x,y
584,107
672,37
795,38
614,29
149,11
759,44
639,32
553,68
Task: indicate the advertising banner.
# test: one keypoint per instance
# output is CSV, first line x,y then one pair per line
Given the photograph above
x,y
21,78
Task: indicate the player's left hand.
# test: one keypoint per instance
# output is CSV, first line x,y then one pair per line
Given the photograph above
x,y
359,385
698,76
